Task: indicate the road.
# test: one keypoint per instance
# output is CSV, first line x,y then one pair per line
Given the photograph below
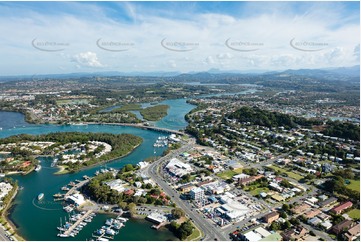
x,y
142,126
208,229
3,234
318,233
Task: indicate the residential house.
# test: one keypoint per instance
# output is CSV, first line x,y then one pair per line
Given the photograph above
x,y
352,233
312,213
294,233
338,228
340,208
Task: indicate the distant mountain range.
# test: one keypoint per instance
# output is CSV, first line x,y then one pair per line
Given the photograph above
x,y
353,71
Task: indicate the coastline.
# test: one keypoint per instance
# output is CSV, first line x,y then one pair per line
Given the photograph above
x,y
62,168
8,222
19,172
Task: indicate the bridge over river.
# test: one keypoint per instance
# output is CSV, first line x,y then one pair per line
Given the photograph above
x,y
142,126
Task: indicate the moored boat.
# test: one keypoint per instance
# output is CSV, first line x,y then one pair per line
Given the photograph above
x,y
38,168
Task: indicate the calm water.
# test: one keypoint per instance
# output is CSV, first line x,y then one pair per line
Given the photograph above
x,y
10,120
38,220
178,108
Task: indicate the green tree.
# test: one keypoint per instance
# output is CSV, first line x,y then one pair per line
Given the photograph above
x,y
122,205
184,230
132,209
177,213
286,207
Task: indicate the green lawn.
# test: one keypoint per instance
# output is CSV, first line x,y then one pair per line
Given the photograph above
x,y
196,235
289,173
354,185
258,191
354,213
228,174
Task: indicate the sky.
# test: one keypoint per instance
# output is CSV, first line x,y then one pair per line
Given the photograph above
x,y
69,37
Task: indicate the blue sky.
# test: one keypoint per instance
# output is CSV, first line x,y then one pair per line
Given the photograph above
x,y
65,37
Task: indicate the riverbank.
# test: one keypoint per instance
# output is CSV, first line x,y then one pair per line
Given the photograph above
x,y
20,172
34,183
63,168
6,221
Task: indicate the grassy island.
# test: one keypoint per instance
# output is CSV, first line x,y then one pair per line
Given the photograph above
x,y
92,148
154,113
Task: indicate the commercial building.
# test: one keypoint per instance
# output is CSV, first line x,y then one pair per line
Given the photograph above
x,y
178,168
77,199
156,218
197,194
269,218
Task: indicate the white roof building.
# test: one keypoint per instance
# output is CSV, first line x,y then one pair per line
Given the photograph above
x,y
178,168
234,209
117,185
252,236
77,198
143,164
5,188
262,232
157,218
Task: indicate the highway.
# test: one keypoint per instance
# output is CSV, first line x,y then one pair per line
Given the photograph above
x,y
209,230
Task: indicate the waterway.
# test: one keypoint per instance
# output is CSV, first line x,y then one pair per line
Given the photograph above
x,y
178,108
38,220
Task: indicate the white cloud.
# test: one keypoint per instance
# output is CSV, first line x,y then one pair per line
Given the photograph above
x,y
172,63
87,59
273,28
224,56
356,51
209,60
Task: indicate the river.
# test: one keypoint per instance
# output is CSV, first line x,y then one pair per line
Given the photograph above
x,y
38,220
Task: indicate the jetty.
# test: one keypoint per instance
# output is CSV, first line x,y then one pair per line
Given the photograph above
x,y
75,187
74,225
159,225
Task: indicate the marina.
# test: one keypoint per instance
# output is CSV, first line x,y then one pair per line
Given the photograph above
x,y
48,183
110,229
162,141
70,229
